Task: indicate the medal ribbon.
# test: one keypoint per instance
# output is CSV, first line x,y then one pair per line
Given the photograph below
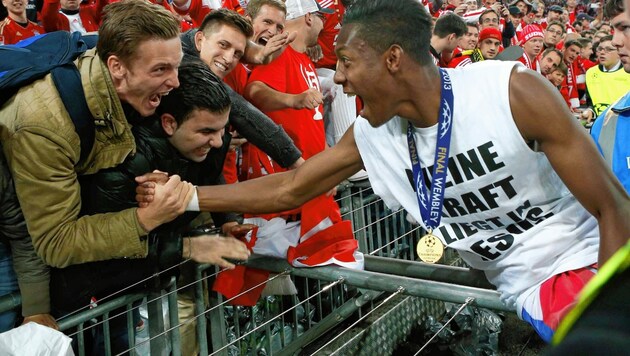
x,y
431,204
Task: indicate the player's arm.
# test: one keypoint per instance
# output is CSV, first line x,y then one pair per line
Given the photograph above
x,y
542,116
283,191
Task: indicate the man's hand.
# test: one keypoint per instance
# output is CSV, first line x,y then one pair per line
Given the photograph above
x,y
42,319
309,99
214,249
315,53
276,45
297,163
237,230
169,201
236,141
146,186
461,9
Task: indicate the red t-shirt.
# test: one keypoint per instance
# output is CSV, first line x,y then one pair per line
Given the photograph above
x,y
293,73
197,10
328,37
54,20
14,33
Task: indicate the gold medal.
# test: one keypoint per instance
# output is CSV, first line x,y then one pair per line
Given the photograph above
x,y
430,249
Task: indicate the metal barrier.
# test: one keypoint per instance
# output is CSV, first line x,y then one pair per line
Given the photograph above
x,y
330,298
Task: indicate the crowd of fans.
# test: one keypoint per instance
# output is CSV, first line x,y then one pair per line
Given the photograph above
x,y
269,104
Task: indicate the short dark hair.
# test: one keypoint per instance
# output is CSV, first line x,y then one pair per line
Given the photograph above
x,y
613,8
559,24
228,18
450,23
552,49
383,23
574,42
606,38
199,88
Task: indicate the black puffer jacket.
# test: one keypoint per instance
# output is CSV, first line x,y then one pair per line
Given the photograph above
x,y
113,190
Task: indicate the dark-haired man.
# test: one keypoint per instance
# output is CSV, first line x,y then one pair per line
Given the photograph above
x,y
518,223
449,28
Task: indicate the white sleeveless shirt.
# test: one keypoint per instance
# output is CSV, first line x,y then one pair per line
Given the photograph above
x,y
505,209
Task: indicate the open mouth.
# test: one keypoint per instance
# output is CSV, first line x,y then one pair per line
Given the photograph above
x,y
263,41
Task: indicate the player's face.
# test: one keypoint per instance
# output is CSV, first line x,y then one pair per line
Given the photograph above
x,y
362,72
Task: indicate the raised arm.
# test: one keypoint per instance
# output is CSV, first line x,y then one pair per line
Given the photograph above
x,y
542,116
260,130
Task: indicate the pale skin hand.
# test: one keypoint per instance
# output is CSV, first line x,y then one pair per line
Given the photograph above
x,y
309,99
214,249
169,201
257,54
42,319
315,53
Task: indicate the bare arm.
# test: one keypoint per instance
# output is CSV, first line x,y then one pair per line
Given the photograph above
x,y
283,191
541,115
268,99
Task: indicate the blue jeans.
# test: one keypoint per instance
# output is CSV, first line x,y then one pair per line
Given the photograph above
x,y
8,284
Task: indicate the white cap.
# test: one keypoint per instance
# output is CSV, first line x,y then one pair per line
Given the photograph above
x,y
297,8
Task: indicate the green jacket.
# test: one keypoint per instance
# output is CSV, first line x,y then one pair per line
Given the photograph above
x,y
32,274
43,148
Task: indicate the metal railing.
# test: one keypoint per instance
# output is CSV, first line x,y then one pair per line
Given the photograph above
x,y
327,296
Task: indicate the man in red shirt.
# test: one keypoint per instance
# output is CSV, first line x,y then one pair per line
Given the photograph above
x,y
287,89
16,27
69,15
571,53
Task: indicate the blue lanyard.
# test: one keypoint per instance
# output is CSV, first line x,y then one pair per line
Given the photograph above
x,y
431,205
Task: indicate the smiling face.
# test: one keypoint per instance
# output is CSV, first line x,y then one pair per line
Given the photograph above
x,y
197,135
268,22
221,48
469,40
15,7
361,71
148,75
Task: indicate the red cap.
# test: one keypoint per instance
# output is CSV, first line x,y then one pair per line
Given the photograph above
x,y
490,32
